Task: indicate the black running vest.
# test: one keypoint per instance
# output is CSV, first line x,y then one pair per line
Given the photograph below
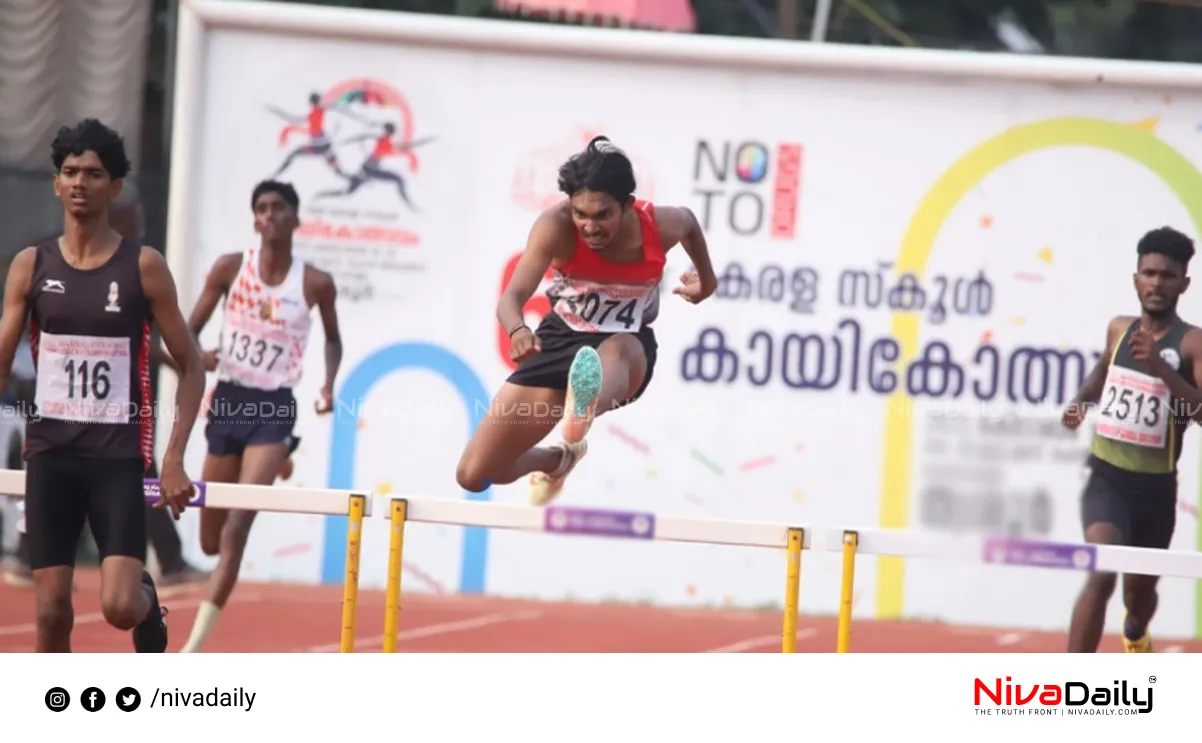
x,y
89,333
1140,426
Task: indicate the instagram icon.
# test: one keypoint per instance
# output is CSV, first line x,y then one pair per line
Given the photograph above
x,y
57,699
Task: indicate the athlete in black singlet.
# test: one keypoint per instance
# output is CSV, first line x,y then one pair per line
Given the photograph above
x,y
90,297
127,217
1144,387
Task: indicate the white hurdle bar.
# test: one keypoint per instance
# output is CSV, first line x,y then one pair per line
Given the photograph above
x,y
270,498
594,522
984,550
646,526
995,550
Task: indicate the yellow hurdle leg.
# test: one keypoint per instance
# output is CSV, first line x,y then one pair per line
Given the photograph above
x,y
850,541
350,584
396,548
792,590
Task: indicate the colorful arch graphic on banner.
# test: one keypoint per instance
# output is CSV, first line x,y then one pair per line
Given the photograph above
x,y
1136,141
345,434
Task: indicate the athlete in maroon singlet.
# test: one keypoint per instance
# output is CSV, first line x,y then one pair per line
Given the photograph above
x,y
595,350
90,298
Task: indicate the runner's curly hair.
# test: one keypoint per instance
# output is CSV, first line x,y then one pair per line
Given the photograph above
x,y
91,134
601,167
1168,242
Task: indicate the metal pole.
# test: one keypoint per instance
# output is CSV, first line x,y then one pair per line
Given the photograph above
x,y
786,19
822,18
792,590
169,81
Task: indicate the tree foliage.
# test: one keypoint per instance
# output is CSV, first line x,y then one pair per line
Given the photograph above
x,y
1164,30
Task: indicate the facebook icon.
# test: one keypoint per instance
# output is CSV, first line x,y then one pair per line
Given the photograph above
x,y
92,699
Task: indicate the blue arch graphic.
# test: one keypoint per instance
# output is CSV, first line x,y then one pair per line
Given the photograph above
x,y
345,436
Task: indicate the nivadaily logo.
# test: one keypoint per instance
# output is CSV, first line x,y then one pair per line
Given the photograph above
x,y
1067,698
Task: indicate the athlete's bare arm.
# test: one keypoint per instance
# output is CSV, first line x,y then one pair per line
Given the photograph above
x,y
320,286
217,284
1091,391
678,224
16,311
159,287
159,356
551,232
1191,347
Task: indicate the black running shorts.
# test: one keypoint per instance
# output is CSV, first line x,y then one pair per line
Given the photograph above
x,y
62,490
241,416
1142,506
549,367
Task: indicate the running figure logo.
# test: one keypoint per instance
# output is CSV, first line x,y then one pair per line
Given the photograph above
x,y
383,146
315,127
368,111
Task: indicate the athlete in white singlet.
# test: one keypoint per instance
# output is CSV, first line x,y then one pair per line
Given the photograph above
x,y
269,295
595,350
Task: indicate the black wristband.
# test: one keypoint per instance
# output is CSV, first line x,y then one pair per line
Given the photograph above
x,y
523,325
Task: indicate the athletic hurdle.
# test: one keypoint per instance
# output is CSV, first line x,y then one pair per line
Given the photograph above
x,y
596,523
995,550
270,499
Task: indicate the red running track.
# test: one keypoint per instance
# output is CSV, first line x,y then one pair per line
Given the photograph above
x,y
270,617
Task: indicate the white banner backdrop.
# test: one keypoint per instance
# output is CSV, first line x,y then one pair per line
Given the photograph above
x,y
910,266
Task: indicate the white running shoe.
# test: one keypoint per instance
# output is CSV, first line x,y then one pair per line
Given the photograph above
x,y
544,486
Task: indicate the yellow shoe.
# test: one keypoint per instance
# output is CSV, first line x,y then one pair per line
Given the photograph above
x,y
1142,645
544,486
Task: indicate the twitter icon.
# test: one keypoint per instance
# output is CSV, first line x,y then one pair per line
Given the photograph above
x,y
128,699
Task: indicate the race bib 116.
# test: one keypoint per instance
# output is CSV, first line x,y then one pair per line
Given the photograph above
x,y
83,378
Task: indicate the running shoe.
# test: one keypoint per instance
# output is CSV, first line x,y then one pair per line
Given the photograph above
x,y
18,574
150,635
544,486
1142,645
580,402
